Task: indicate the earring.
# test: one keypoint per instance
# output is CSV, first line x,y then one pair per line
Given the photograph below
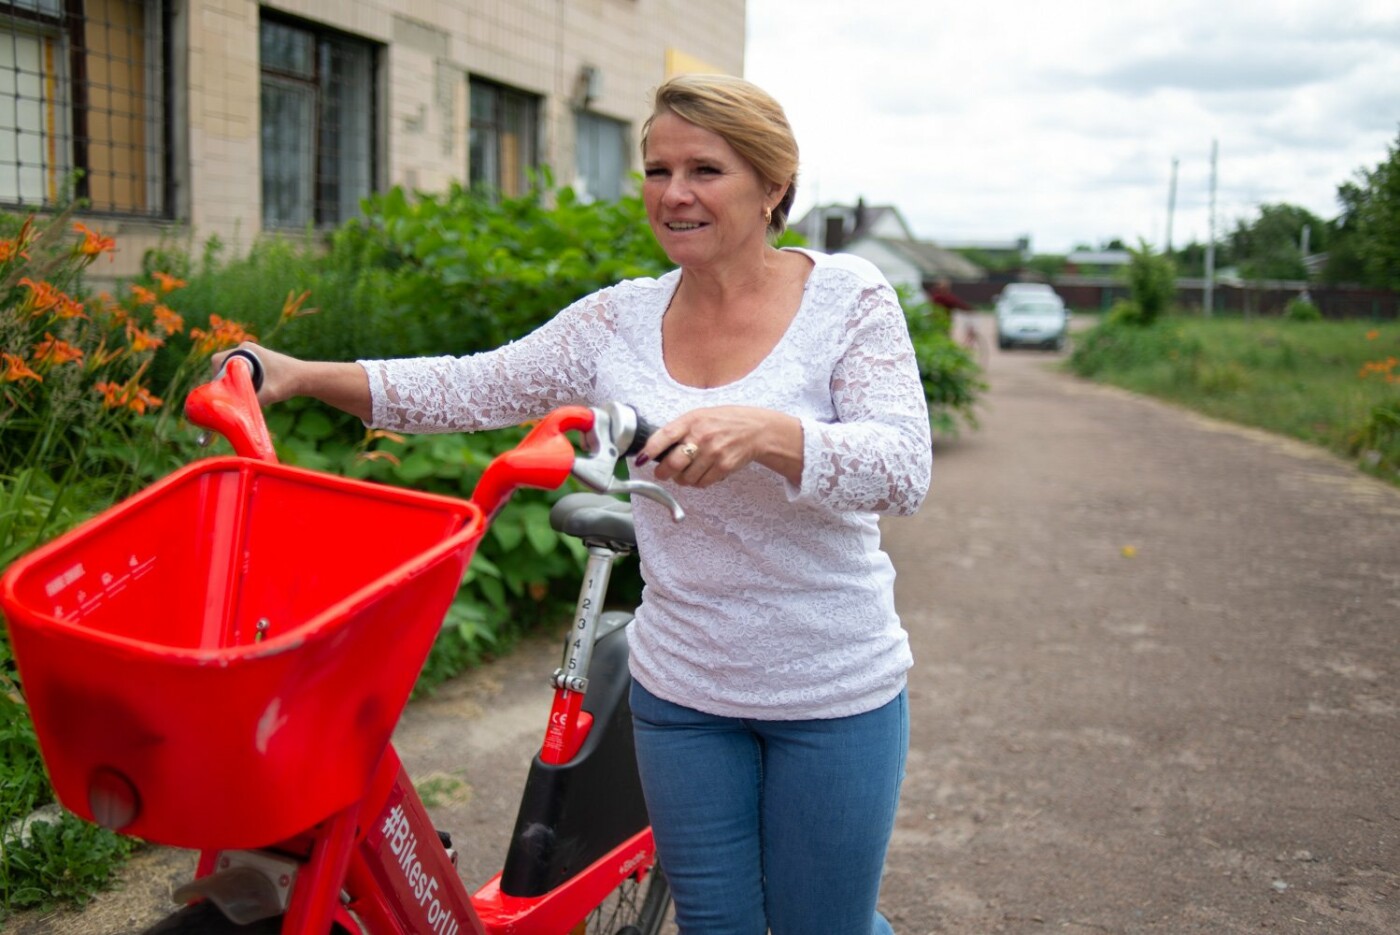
x,y
767,215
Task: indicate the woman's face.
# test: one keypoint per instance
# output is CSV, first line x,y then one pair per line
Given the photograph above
x,y
705,202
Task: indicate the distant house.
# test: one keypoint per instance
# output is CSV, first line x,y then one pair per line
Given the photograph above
x,y
1002,253
1096,262
830,227
880,234
917,264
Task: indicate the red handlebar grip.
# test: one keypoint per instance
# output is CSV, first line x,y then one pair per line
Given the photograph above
x,y
543,459
228,404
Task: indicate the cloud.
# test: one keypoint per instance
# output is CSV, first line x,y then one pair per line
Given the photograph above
x,y
1002,119
1222,70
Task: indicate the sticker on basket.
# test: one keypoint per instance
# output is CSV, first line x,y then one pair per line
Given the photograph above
x,y
108,584
59,582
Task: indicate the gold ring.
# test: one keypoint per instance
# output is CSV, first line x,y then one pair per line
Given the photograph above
x,y
690,450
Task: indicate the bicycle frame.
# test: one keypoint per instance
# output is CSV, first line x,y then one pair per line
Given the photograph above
x,y
387,857
378,864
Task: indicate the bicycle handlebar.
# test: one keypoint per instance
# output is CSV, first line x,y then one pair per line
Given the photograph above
x,y
228,404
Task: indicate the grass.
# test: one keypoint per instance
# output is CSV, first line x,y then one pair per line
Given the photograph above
x,y
1333,384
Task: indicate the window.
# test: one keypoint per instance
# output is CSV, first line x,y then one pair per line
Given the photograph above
x,y
601,156
317,124
501,148
83,108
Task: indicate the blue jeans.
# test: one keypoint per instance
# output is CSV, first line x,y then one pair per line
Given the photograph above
x,y
772,825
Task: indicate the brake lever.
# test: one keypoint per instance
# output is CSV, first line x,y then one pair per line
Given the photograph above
x,y
614,428
649,490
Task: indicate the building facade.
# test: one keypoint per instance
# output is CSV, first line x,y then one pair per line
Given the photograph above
x,y
179,120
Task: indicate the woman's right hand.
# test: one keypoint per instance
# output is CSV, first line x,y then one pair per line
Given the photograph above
x,y
342,385
279,372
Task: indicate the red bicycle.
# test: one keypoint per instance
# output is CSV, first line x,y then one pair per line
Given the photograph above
x,y
218,663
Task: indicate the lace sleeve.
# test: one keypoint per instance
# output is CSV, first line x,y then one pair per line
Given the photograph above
x,y
553,366
877,455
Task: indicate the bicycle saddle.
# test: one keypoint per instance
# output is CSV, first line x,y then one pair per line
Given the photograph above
x,y
595,517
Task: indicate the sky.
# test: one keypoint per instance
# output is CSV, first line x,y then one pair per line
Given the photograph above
x,y
992,120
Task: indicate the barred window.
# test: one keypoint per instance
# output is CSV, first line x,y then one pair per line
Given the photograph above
x,y
502,140
83,104
317,124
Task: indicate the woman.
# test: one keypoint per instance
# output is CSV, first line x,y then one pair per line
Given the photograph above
x,y
769,665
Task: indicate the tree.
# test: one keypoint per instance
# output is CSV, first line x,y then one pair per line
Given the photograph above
x,y
1271,246
1048,265
1369,228
1190,260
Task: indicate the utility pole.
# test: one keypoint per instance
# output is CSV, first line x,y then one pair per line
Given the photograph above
x,y
1210,240
1171,205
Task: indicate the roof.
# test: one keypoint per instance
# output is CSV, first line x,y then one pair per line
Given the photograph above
x,y
1099,257
932,261
859,219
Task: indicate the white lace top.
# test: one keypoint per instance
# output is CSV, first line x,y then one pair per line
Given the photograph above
x,y
769,601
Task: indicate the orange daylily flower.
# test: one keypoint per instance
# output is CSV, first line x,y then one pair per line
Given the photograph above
x,y
168,320
42,295
1382,368
93,244
130,395
140,339
9,249
1372,334
143,295
52,351
168,283
143,399
15,369
221,334
68,308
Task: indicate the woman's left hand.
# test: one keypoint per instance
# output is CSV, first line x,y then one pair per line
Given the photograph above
x,y
707,445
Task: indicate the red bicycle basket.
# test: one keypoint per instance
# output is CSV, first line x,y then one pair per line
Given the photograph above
x,y
236,643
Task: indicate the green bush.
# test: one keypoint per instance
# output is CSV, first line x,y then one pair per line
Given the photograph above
x,y
1301,309
1151,285
1376,442
951,376
1120,344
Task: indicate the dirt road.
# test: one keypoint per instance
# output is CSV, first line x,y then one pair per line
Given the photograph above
x,y
1157,687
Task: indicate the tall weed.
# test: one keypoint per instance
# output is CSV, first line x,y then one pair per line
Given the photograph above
x,y
1328,383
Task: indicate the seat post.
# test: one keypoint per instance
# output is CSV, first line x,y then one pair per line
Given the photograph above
x,y
578,648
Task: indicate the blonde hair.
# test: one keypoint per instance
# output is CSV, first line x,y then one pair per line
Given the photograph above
x,y
749,120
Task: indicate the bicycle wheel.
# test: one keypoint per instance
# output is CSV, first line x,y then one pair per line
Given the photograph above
x,y
636,907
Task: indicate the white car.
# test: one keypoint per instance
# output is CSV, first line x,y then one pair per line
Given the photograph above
x,y
1013,291
1040,320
